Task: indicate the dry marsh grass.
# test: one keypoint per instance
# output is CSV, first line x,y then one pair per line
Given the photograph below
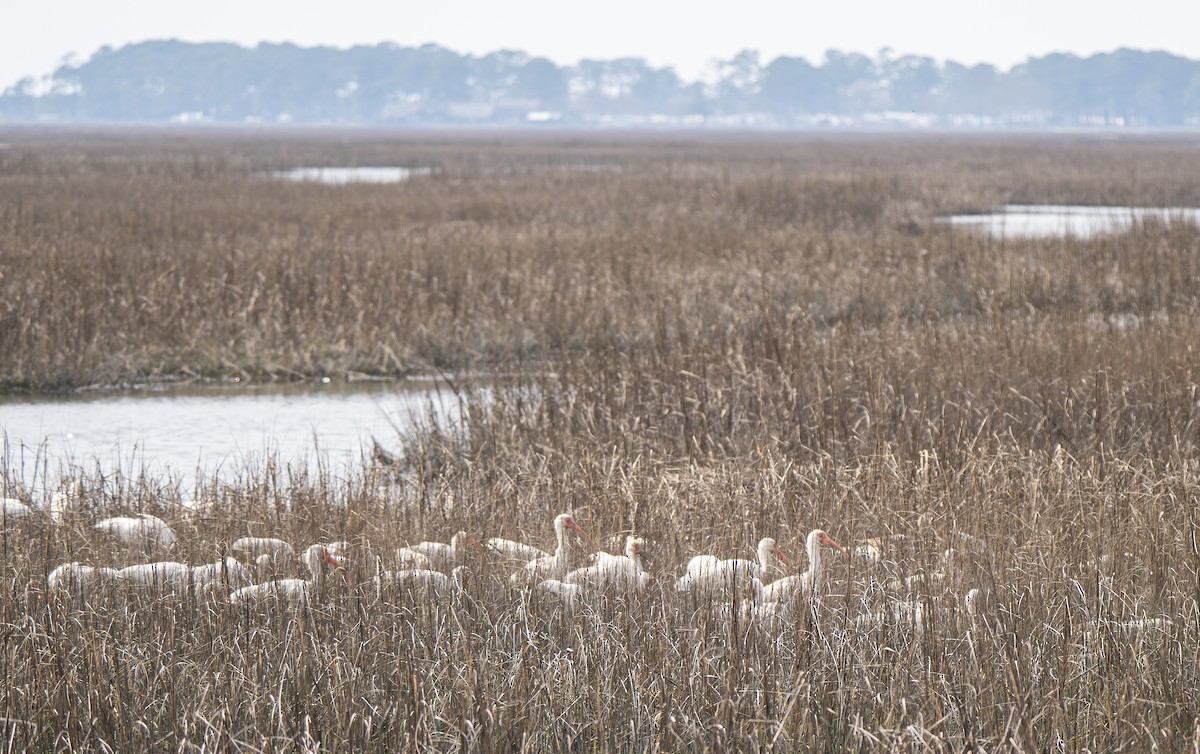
x,y
705,341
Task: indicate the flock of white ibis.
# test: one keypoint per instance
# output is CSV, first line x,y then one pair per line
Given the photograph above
x,y
259,571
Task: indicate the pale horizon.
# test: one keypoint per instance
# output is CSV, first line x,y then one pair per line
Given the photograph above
x,y
686,37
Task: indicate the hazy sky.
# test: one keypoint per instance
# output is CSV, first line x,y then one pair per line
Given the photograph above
x,y
688,35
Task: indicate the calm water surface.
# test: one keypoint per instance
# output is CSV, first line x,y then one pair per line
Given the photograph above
x,y
1058,220
217,430
338,176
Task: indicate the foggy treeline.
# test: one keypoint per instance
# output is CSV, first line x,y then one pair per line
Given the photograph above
x,y
163,81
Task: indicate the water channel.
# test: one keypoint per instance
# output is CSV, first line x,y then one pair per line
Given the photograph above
x,y
1059,220
340,176
213,430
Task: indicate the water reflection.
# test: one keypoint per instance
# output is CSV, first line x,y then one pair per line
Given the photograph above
x,y
214,429
1058,220
340,176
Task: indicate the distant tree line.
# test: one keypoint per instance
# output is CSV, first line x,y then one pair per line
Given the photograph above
x,y
163,81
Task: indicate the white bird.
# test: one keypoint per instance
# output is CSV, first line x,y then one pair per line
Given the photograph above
x,y
264,568
441,556
513,550
1144,626
292,591
270,555
256,547
13,508
952,566
711,576
356,559
319,561
430,582
614,571
871,551
568,593
142,530
76,580
61,502
196,508
978,604
162,575
768,555
552,566
520,551
409,559
229,571
909,613
802,585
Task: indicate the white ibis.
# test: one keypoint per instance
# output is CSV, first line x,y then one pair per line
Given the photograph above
x,y
63,501
142,530
206,578
320,562
712,576
568,593
256,547
430,582
163,575
408,559
952,566
803,584
614,571
908,613
441,556
264,567
357,559
524,553
513,550
977,603
270,554
13,508
768,555
77,580
556,565
871,551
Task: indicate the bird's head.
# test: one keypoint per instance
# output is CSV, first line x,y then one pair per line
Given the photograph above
x,y
829,541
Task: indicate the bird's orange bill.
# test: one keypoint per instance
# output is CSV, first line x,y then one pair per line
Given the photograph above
x,y
830,541
782,556
572,525
332,560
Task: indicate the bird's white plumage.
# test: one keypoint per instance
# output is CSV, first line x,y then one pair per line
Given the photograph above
x,y
77,579
553,566
439,556
293,591
711,576
320,562
166,575
256,547
514,550
620,572
142,530
228,571
13,508
570,594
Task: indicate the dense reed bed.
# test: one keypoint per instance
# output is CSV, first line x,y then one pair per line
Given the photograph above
x,y
135,256
703,341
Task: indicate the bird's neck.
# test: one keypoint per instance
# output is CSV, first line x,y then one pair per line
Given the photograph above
x,y
765,560
562,553
312,559
814,559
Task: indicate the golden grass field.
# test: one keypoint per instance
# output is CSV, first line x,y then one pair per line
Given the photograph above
x,y
703,340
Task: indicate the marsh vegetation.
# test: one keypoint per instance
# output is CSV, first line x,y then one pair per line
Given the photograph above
x,y
707,342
